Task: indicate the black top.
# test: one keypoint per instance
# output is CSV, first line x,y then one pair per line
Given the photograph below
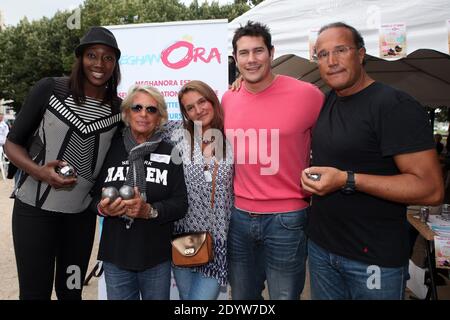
x,y
52,126
362,133
147,242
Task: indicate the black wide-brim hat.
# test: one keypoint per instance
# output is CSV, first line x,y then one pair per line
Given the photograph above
x,y
98,35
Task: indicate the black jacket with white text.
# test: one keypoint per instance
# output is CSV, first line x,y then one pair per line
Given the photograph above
x,y
147,243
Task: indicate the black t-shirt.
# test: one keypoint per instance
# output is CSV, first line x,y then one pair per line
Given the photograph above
x,y
147,242
362,133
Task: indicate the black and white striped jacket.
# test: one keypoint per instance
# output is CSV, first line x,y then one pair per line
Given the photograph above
x,y
79,134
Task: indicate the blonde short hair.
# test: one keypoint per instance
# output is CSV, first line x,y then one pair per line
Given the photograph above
x,y
152,92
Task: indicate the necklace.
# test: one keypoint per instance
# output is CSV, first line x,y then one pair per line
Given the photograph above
x,y
208,141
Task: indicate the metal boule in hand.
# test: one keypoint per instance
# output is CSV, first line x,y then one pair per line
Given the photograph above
x,y
111,193
126,192
314,176
66,171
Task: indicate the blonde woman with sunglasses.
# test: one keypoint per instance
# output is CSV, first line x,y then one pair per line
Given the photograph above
x,y
135,244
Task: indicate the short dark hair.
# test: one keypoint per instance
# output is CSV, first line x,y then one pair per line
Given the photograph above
x,y
77,79
357,37
253,29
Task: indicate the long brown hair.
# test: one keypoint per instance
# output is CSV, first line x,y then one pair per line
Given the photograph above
x,y
208,93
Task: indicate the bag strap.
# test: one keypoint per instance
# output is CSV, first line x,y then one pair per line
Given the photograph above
x,y
213,191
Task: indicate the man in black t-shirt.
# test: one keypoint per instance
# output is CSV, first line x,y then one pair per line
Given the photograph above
x,y
374,153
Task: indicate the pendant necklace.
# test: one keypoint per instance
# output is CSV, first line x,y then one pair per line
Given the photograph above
x,y
208,141
206,172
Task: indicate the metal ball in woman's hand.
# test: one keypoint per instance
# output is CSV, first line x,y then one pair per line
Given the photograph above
x,y
66,171
126,192
111,193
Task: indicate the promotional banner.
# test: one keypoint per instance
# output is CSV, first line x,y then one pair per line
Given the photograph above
x,y
166,56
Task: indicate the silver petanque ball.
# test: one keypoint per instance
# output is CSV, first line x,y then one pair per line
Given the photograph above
x,y
111,193
66,171
126,192
314,176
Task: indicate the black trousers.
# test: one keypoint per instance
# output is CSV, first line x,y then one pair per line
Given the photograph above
x,y
51,246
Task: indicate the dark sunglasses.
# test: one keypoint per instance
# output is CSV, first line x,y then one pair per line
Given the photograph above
x,y
139,107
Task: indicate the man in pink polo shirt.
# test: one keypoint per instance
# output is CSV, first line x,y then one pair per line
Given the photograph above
x,y
269,122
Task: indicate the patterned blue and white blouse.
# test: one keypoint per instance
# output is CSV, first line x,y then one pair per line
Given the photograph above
x,y
200,215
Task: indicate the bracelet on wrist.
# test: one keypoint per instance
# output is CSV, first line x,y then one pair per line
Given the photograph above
x,y
99,211
152,213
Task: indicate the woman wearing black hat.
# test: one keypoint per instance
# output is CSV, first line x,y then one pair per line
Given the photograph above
x,y
63,121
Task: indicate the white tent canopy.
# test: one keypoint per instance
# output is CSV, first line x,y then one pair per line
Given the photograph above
x,y
424,73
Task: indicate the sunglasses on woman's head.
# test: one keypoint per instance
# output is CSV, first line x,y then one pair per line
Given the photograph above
x,y
139,107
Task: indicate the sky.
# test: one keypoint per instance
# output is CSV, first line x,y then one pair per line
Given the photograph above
x,y
14,10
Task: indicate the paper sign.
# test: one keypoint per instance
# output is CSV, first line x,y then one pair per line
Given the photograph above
x,y
393,41
313,34
448,28
442,252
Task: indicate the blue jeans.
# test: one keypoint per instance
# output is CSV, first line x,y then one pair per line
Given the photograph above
x,y
268,247
194,285
150,284
334,277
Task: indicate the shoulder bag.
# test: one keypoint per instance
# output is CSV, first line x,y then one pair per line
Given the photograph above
x,y
194,249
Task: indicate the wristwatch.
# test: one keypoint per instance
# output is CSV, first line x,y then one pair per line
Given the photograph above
x,y
152,213
350,186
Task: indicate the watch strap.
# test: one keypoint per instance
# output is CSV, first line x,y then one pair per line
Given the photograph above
x,y
350,179
350,185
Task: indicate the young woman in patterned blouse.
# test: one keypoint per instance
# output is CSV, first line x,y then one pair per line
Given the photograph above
x,y
208,169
